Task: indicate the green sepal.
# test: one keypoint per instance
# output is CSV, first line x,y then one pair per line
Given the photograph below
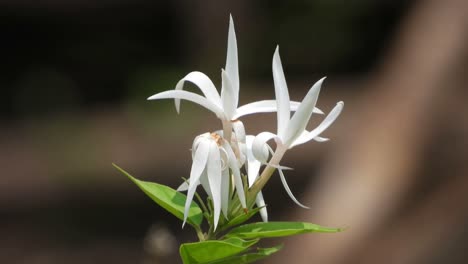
x,y
277,229
168,198
240,218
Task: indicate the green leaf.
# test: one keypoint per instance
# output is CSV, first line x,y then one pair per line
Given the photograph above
x,y
240,218
213,250
249,257
277,229
168,198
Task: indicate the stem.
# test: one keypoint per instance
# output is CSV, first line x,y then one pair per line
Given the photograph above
x,y
251,194
200,235
210,233
267,172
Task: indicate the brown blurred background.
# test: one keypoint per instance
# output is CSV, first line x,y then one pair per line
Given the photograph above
x,y
75,76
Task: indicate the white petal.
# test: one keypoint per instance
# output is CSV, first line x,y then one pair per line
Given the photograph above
x,y
193,97
300,119
261,203
304,136
286,187
204,182
214,179
331,117
225,183
266,106
253,165
197,141
183,187
239,130
259,146
281,93
198,165
318,111
321,139
234,166
228,96
232,67
203,83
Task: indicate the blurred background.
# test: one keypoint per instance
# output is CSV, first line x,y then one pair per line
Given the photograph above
x,y
75,76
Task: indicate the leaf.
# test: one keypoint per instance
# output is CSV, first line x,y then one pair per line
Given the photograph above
x,y
249,257
168,198
213,250
241,218
277,229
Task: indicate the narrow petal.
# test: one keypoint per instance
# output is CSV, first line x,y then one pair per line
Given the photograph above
x,y
253,165
304,136
232,67
234,166
281,93
286,187
321,139
193,97
266,106
204,182
214,179
183,187
203,83
300,119
228,96
331,117
198,165
261,203
239,130
225,184
259,146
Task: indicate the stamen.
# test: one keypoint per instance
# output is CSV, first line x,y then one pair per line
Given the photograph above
x,y
217,138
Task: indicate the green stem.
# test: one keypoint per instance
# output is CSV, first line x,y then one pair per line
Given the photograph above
x,y
251,193
200,235
200,200
266,173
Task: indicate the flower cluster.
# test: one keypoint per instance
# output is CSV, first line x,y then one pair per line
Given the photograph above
x,y
227,163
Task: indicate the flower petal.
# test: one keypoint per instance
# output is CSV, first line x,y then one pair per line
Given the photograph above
x,y
300,119
234,166
232,67
225,184
203,83
286,187
259,146
214,179
331,117
193,97
198,165
281,93
261,203
253,165
266,106
204,182
239,130
183,187
321,139
228,96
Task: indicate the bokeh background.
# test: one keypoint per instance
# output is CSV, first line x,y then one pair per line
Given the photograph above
x,y
75,76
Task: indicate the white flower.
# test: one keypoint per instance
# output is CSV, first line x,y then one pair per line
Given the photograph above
x,y
291,131
213,157
225,106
